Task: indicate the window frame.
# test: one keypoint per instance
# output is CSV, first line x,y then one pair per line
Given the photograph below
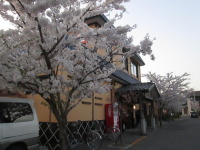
x,y
125,62
134,69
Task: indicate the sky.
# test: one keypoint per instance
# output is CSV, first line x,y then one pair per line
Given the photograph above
x,y
176,26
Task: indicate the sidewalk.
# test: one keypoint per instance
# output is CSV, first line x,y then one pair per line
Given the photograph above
x,y
129,138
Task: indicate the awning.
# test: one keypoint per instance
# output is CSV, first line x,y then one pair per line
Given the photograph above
x,y
123,78
148,88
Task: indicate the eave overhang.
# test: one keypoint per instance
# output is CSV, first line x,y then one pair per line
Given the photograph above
x,y
99,19
143,88
123,78
138,59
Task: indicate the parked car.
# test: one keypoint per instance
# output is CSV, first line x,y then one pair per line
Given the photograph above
x,y
19,127
194,115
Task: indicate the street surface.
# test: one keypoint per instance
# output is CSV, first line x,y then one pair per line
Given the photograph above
x,y
182,134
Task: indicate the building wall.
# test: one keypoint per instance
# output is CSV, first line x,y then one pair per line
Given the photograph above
x,y
88,109
156,109
42,108
93,111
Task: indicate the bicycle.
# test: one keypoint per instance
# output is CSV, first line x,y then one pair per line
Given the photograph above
x,y
113,133
92,138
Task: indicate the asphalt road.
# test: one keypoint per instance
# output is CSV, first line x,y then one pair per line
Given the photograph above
x,y
182,134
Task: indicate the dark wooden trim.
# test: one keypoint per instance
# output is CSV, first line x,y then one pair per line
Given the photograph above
x,y
99,98
88,103
98,104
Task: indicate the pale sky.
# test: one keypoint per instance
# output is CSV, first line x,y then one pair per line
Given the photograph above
x,y
176,26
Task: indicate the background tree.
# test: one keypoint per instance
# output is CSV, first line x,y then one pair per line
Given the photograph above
x,y
44,54
195,105
173,89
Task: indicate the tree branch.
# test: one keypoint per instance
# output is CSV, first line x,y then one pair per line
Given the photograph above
x,y
68,29
93,80
69,100
40,30
17,13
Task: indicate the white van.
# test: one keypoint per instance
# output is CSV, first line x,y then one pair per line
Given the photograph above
x,y
19,127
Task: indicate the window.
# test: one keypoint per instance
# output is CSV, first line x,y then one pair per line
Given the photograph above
x,y
125,62
15,112
134,69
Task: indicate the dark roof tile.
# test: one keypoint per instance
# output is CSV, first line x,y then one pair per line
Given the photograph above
x,y
143,87
147,87
124,77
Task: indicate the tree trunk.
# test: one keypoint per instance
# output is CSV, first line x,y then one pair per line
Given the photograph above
x,y
63,141
142,118
63,134
160,116
153,122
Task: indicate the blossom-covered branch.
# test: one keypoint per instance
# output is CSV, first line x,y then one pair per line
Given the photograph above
x,y
174,89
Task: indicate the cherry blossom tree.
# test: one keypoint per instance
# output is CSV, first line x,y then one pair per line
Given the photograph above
x,y
195,106
44,53
173,89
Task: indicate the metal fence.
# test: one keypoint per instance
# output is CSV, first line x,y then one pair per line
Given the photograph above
x,y
49,132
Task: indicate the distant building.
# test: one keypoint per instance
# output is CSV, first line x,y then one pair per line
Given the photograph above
x,y
187,108
195,95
